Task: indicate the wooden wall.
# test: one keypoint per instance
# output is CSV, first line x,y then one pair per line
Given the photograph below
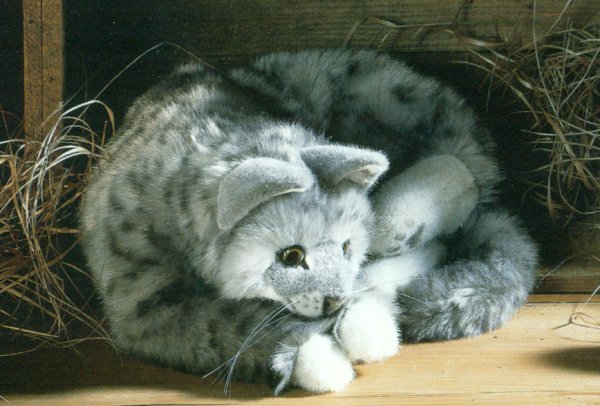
x,y
102,37
43,63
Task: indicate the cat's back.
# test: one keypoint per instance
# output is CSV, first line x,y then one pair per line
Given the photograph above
x,y
164,165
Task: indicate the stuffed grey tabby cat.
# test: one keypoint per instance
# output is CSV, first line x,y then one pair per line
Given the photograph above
x,y
245,224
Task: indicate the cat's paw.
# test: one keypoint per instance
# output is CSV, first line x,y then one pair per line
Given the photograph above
x,y
367,331
433,197
321,366
398,236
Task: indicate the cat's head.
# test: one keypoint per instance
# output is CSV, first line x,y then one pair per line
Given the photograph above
x,y
297,234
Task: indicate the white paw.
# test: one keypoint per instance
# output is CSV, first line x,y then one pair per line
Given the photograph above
x,y
433,197
367,332
321,366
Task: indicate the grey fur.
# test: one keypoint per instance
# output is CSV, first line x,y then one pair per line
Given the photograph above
x,y
213,175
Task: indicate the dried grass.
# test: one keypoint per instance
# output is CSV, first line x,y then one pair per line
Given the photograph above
x,y
557,80
43,179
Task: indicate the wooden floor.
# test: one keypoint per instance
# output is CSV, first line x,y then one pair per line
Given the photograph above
x,y
539,358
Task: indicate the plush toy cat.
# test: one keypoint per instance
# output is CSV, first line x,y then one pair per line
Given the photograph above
x,y
279,222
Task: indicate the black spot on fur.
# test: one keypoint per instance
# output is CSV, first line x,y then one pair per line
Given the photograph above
x,y
168,189
174,293
114,246
114,202
127,226
415,239
137,181
125,254
352,68
230,309
245,325
131,274
404,94
268,78
168,194
162,241
400,237
213,327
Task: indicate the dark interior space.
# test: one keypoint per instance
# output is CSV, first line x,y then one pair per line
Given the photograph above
x,y
11,62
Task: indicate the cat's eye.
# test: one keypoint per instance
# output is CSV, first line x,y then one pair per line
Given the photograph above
x,y
346,247
291,256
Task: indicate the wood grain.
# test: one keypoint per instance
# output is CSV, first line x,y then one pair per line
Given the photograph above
x,y
575,276
533,360
43,54
240,27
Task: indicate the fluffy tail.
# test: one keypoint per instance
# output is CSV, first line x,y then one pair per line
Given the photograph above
x,y
488,277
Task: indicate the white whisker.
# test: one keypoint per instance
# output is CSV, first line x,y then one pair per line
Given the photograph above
x,y
370,287
229,364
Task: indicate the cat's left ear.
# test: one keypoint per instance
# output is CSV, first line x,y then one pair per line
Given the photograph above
x,y
336,163
255,181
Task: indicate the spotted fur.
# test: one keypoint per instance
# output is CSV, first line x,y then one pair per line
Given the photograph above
x,y
214,175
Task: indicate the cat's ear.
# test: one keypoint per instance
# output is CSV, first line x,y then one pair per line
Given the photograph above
x,y
256,181
336,163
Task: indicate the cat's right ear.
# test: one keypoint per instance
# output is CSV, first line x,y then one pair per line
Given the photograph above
x,y
256,181
336,163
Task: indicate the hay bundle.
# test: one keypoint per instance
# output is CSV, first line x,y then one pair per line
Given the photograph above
x,y
42,181
557,79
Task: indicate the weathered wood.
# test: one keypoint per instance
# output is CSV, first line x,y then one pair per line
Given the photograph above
x,y
571,277
533,360
43,53
241,27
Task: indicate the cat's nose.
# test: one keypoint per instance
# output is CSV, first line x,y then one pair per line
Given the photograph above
x,y
331,304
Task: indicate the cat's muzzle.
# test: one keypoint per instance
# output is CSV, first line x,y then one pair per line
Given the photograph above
x,y
315,304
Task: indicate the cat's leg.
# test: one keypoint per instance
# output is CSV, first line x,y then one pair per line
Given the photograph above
x,y
433,197
367,328
385,275
481,287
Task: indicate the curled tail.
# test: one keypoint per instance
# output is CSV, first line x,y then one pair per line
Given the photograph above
x,y
488,277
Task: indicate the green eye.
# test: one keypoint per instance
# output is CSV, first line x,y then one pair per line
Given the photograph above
x,y
291,256
346,247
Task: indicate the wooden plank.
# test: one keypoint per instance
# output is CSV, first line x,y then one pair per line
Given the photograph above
x,y
574,276
43,53
32,65
536,359
249,28
564,298
240,27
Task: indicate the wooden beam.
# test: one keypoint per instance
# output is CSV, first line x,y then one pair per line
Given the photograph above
x,y
43,60
575,276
